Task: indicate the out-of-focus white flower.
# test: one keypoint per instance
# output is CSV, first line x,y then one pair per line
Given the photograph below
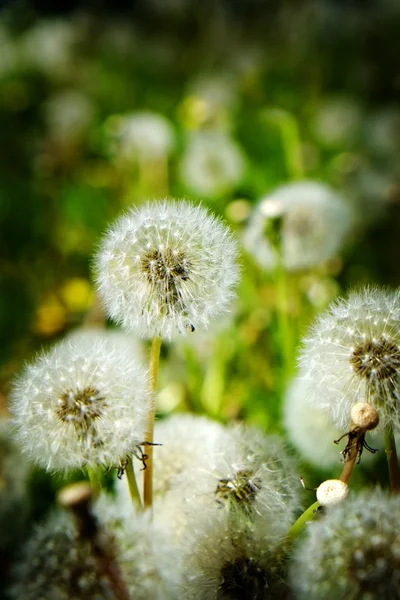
x,y
68,115
166,268
144,135
81,403
314,224
212,164
148,561
310,429
125,342
49,46
352,354
337,121
351,552
219,563
188,443
250,477
14,501
58,564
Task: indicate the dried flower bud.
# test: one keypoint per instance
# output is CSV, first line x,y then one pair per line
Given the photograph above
x,y
364,415
332,491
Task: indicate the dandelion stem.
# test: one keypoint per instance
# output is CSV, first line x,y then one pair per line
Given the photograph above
x,y
132,484
298,527
391,453
148,472
350,462
284,321
95,481
289,131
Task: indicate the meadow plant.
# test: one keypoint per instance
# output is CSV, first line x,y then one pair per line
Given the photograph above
x,y
81,404
166,268
353,552
219,521
312,219
352,354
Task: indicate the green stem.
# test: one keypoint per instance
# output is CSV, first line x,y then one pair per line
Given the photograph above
x,y
298,527
391,454
148,472
95,481
286,339
290,140
132,484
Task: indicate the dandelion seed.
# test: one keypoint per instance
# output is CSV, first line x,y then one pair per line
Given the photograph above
x,y
81,403
166,268
353,355
315,222
352,552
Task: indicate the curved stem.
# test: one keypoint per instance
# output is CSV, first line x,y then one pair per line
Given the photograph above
x,y
148,472
132,484
298,527
391,453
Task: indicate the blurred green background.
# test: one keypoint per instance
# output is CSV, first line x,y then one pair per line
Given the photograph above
x,y
107,104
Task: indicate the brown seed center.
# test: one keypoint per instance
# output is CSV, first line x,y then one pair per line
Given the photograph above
x,y
240,489
80,408
166,266
379,359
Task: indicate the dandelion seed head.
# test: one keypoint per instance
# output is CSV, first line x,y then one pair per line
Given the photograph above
x,y
57,564
353,355
252,481
352,552
143,135
315,222
167,268
212,164
82,402
219,564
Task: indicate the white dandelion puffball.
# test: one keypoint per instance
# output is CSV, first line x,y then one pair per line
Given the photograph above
x,y
309,428
81,403
352,354
212,164
221,564
314,223
166,268
173,466
251,480
144,135
58,564
351,552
